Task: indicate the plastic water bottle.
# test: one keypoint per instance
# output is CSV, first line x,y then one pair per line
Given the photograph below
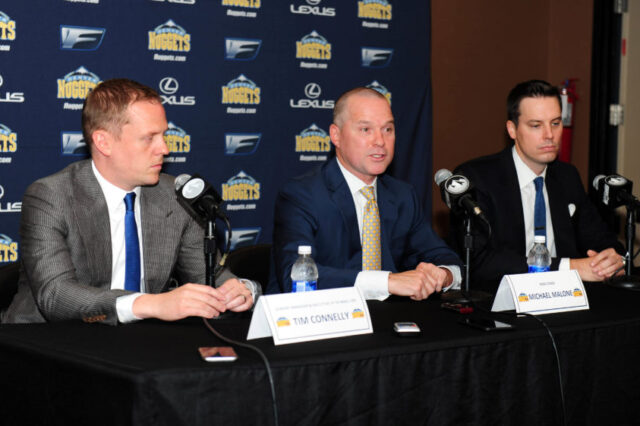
x,y
304,274
539,259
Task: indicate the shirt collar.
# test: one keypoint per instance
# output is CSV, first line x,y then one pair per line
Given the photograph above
x,y
355,184
525,174
113,195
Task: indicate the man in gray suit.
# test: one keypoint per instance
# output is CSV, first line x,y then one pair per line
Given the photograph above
x,y
73,227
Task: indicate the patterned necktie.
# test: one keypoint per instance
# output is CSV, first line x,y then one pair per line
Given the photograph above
x,y
370,232
540,211
132,246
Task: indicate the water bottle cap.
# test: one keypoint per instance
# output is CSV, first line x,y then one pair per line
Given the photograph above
x,y
539,239
304,249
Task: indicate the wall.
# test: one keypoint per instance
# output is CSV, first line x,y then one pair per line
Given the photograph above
x,y
480,50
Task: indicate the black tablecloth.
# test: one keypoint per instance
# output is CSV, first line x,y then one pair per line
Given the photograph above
x,y
151,373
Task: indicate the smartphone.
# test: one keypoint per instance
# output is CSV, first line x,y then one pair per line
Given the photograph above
x,y
486,324
406,328
218,353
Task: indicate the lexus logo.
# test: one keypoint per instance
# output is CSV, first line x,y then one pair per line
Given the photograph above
x,y
1,191
313,2
1,81
312,90
169,85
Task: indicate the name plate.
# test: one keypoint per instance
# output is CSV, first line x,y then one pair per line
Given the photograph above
x,y
541,293
312,315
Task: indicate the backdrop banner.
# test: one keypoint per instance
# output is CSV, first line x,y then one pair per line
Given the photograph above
x,y
248,86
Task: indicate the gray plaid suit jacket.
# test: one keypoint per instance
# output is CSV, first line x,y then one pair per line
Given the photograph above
x,y
66,248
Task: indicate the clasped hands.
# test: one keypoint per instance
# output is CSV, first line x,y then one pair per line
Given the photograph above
x,y
196,300
598,266
421,282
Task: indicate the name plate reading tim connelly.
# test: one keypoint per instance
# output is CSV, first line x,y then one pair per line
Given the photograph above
x,y
312,315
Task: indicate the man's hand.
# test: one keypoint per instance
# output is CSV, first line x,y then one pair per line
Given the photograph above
x,y
421,282
597,266
188,300
237,296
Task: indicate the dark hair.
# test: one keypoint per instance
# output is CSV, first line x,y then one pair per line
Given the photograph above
x,y
105,107
341,103
529,89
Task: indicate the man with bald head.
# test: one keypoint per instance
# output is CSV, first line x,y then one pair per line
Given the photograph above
x,y
365,228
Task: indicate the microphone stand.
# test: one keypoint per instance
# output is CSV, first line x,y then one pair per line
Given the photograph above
x,y
466,296
210,251
627,281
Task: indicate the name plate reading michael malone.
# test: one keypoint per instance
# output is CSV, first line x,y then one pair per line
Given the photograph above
x,y
541,293
311,315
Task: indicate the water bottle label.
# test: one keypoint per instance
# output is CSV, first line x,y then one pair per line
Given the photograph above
x,y
298,286
533,268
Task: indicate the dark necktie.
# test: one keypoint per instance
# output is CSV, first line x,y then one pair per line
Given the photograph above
x,y
132,246
540,211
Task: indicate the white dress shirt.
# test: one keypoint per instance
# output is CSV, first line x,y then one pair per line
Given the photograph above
x,y
116,208
528,195
375,284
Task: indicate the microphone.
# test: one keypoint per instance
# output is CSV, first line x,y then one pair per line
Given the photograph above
x,y
456,193
615,191
198,197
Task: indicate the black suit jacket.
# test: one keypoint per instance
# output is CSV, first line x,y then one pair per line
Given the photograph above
x,y
498,193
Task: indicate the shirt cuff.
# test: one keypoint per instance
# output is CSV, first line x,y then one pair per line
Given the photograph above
x,y
124,308
253,287
565,264
457,277
373,284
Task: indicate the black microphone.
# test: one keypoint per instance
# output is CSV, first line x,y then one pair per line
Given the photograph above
x,y
456,193
198,197
615,191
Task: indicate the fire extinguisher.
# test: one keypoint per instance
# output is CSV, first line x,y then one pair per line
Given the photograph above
x,y
568,97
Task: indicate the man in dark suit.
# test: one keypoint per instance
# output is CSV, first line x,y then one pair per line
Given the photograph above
x,y
505,185
77,262
328,210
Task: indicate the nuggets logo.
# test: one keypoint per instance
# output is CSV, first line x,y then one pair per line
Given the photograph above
x,y
169,37
178,141
77,84
357,313
253,4
577,292
283,322
381,89
313,139
7,27
522,297
8,249
8,139
241,187
374,9
241,91
313,46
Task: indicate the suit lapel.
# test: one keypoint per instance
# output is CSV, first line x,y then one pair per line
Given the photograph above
x,y
92,218
388,208
559,212
343,199
159,237
511,191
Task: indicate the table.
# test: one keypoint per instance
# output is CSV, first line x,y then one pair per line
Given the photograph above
x,y
150,373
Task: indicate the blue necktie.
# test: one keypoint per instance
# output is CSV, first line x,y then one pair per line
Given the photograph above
x,y
540,211
132,246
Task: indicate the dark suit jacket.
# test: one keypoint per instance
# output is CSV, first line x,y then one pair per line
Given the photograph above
x,y
66,247
498,193
318,210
